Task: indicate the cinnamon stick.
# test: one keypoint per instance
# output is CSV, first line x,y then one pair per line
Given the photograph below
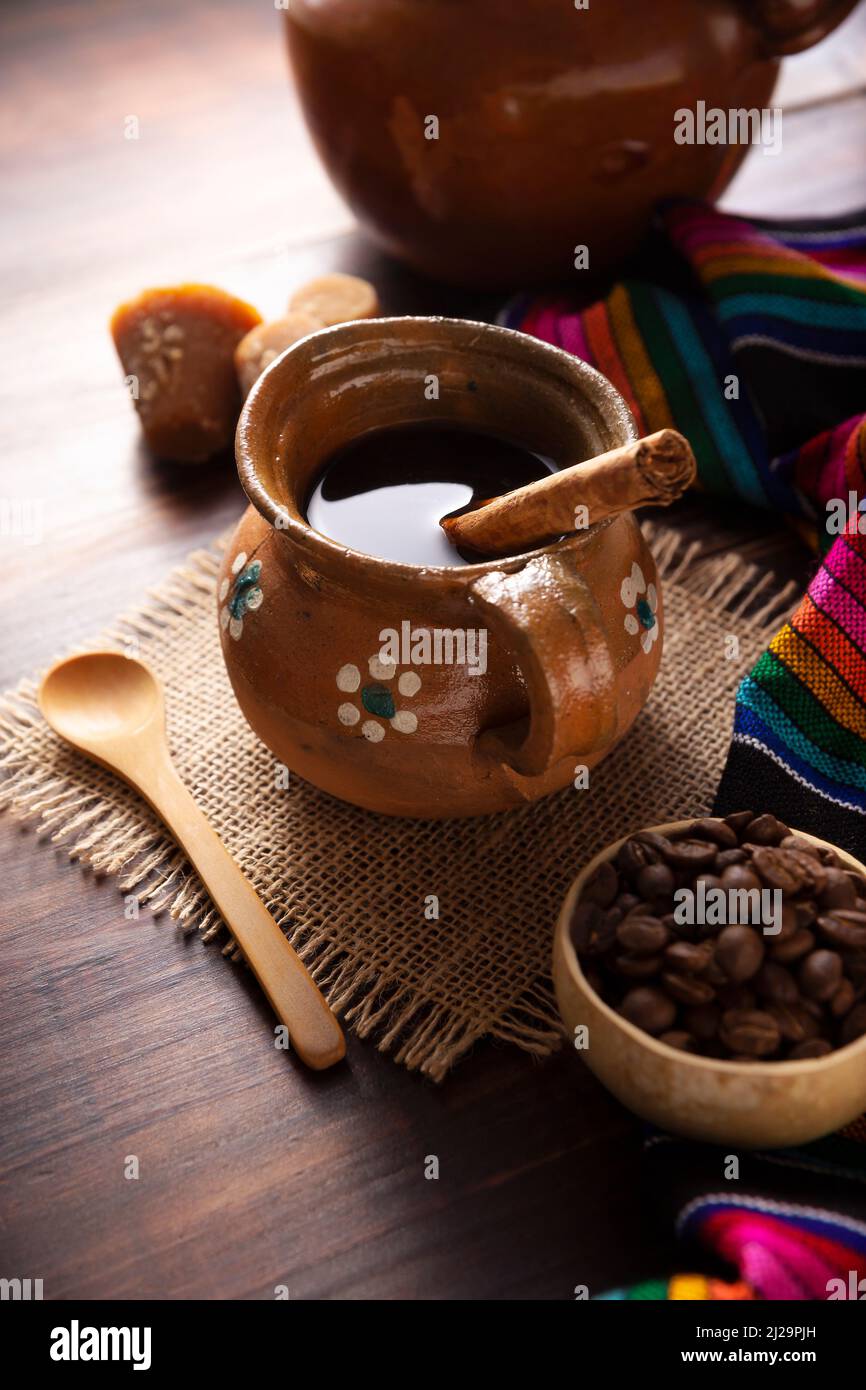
x,y
651,471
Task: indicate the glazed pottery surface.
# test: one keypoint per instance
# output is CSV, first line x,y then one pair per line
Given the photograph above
x,y
555,123
754,1104
572,631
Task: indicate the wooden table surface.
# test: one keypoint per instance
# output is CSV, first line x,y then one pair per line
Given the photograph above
x,y
121,1038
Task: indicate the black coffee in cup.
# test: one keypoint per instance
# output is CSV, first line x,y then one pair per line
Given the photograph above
x,y
386,492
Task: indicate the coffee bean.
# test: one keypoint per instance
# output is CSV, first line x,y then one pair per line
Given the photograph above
x,y
787,869
725,857
838,891
791,948
765,830
798,843
626,902
709,881
820,974
787,922
647,1008
776,983
691,854
812,1006
702,1021
853,1025
642,936
688,989
585,918
738,820
603,887
843,1000
635,967
634,856
795,1023
739,952
688,957
812,868
806,1051
845,927
654,841
717,831
642,909
683,1042
740,877
752,1032
602,938
655,881
859,883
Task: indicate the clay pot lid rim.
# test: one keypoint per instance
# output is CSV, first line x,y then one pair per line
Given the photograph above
x,y
600,390
759,1069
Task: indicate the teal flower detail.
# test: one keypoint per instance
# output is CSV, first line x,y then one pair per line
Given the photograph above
x,y
646,617
377,699
242,596
643,599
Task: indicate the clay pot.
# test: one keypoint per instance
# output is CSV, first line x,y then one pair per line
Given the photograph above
x,y
568,666
555,124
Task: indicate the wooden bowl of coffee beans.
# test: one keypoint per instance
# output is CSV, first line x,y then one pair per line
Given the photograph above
x,y
712,974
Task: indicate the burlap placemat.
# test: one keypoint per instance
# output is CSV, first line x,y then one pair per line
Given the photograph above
x,y
349,888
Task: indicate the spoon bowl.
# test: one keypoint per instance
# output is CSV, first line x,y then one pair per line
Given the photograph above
x,y
100,695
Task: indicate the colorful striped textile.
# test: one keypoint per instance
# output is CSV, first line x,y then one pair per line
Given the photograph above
x,y
751,341
792,1225
800,722
750,338
689,1287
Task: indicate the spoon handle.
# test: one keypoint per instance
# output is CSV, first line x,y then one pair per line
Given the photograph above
x,y
315,1033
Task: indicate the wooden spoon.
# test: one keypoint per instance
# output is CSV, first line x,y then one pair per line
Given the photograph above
x,y
112,709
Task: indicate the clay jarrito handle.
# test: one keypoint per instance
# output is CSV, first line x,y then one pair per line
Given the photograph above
x,y
549,618
790,26
545,611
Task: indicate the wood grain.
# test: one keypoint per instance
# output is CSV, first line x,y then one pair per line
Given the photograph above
x,y
123,1037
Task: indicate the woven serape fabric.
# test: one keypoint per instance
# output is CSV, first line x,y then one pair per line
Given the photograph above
x,y
750,338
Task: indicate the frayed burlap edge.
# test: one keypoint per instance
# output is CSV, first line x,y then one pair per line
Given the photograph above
x,y
146,861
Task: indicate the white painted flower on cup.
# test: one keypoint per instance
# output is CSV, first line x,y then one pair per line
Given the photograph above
x,y
243,595
375,698
642,601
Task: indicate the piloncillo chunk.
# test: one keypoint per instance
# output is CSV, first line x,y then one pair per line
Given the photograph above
x,y
336,298
258,348
177,345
